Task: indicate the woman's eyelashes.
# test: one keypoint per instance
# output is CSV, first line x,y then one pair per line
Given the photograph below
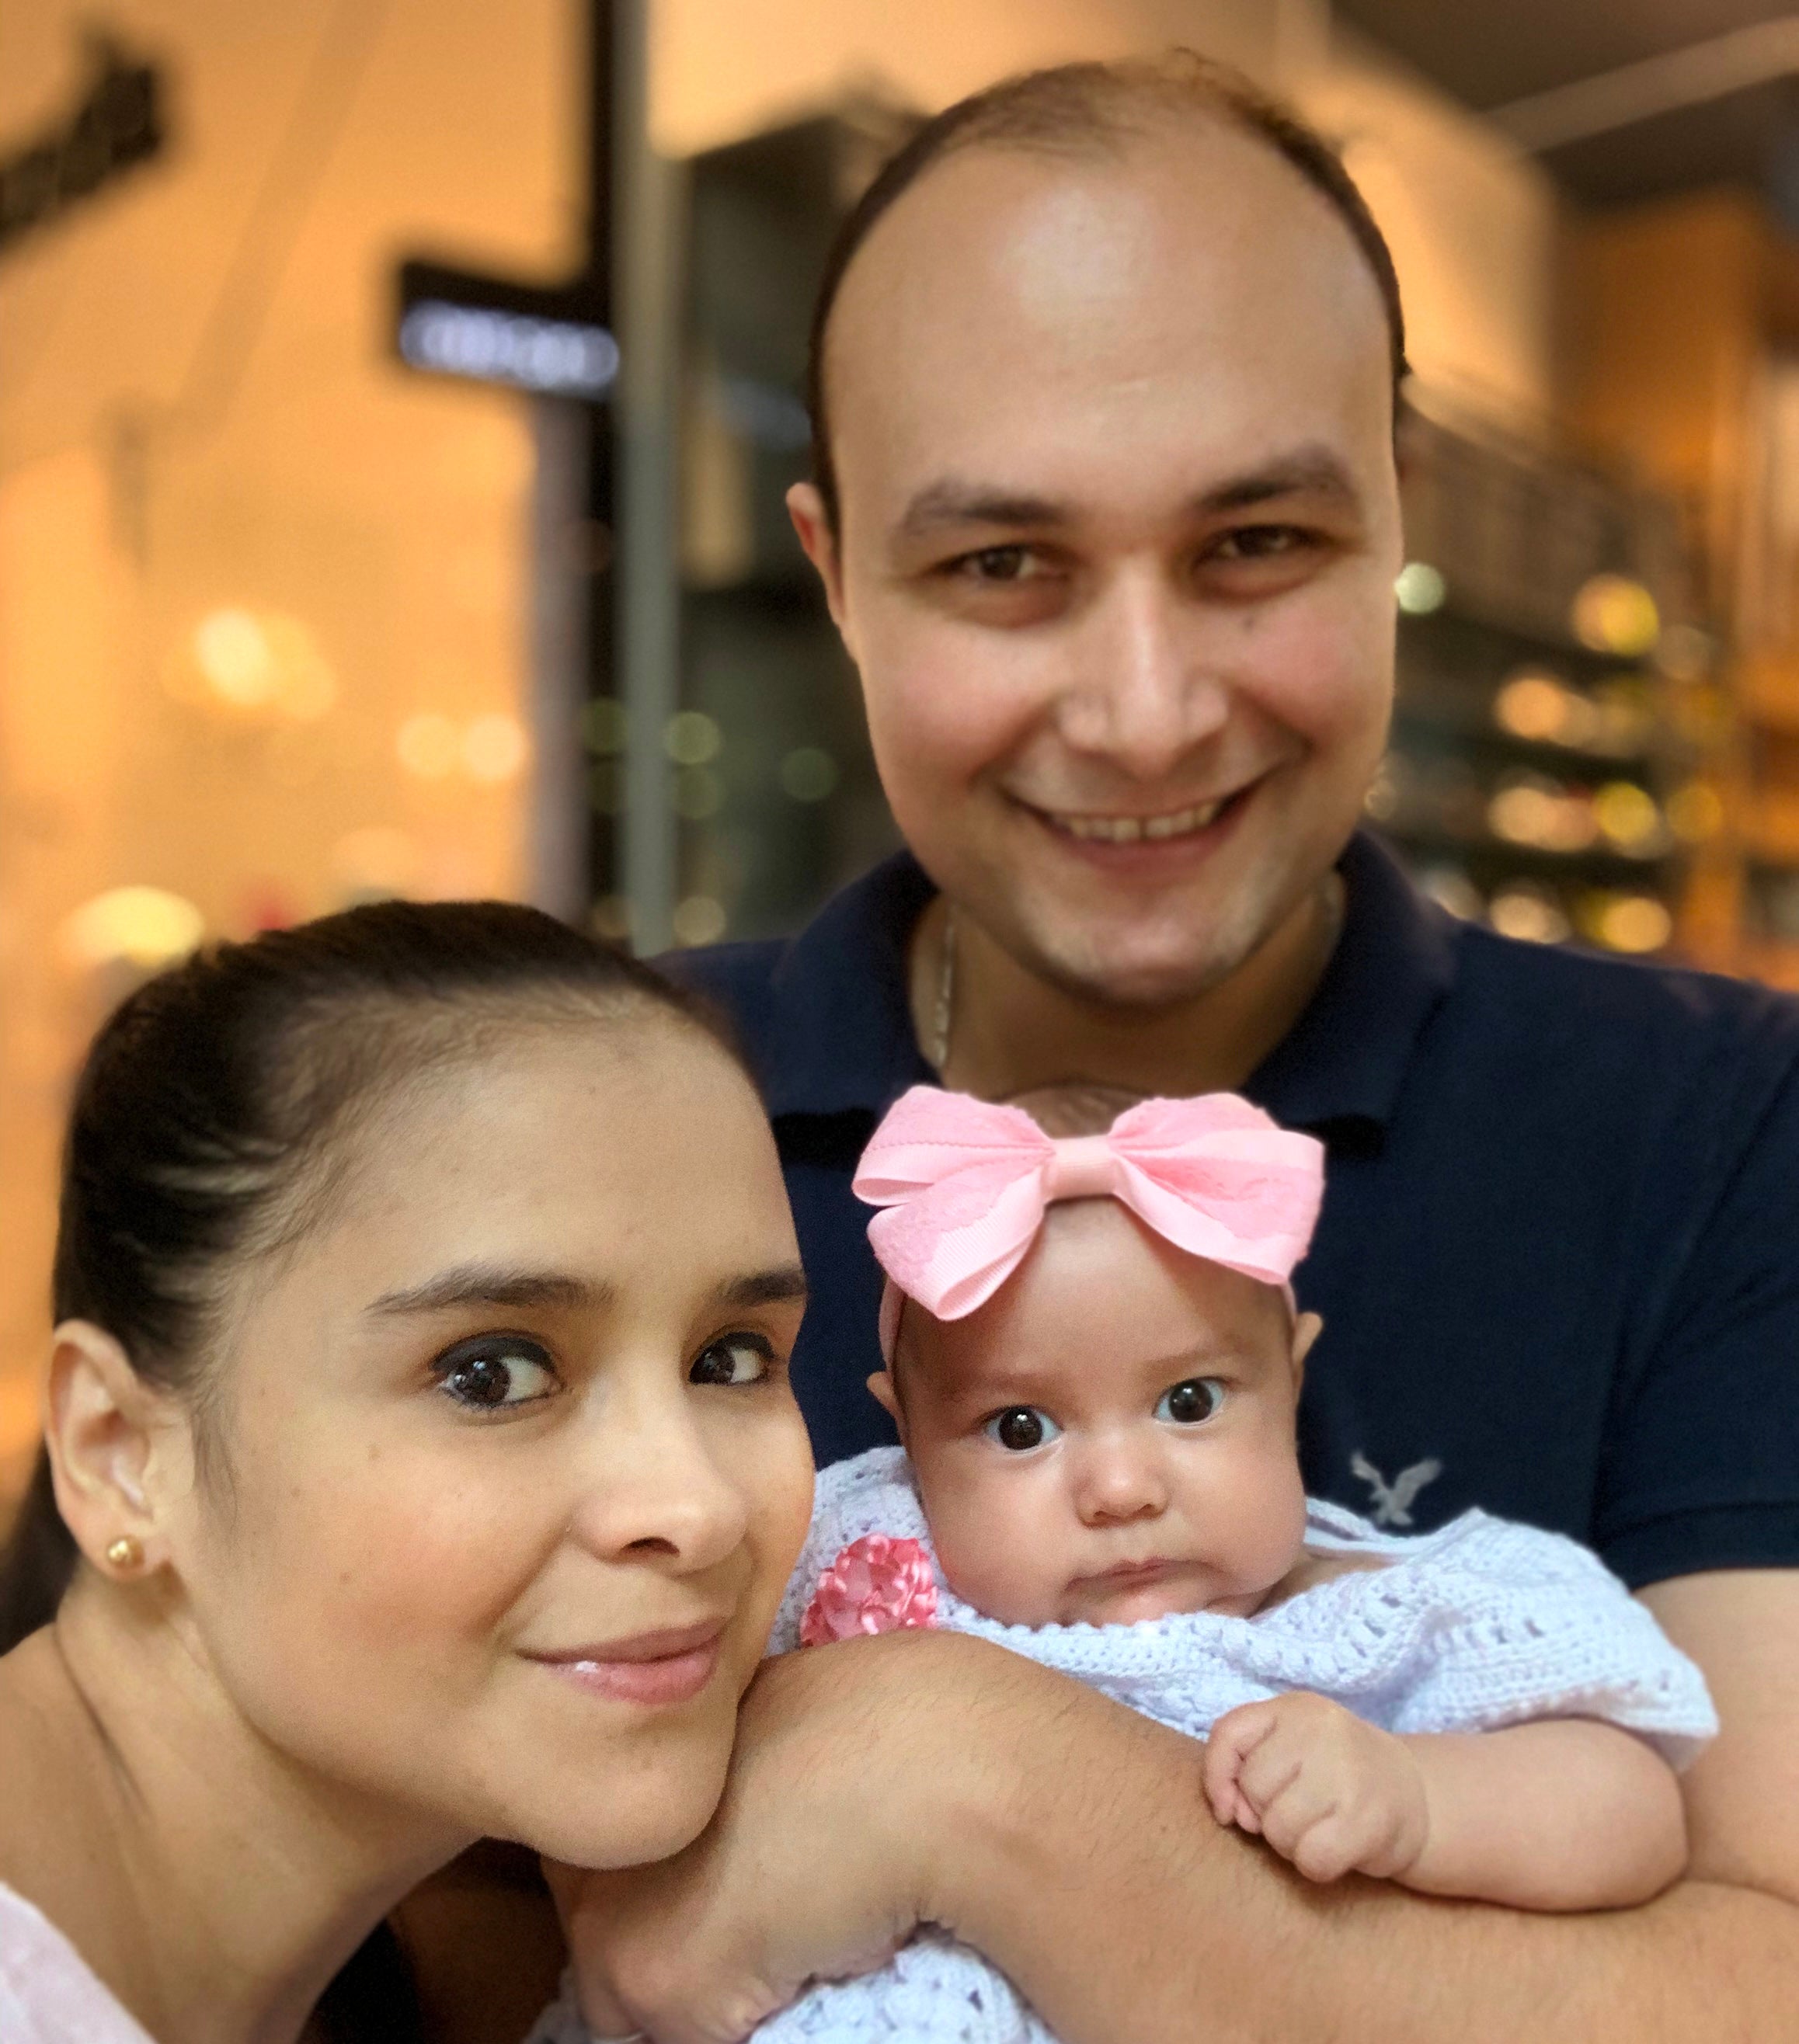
x,y
491,1372
734,1359
1020,1429
1191,1400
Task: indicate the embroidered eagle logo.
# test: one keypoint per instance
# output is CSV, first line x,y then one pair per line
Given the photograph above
x,y
1392,1501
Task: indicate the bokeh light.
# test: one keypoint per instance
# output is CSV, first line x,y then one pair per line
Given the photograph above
x,y
145,927
1613,614
1421,589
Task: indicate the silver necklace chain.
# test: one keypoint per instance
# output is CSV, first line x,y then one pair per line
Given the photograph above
x,y
943,1012
943,1009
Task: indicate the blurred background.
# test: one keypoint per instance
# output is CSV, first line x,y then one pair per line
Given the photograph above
x,y
397,398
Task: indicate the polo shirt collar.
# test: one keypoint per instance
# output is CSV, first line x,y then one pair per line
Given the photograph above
x,y
842,1039
1340,1068
842,1001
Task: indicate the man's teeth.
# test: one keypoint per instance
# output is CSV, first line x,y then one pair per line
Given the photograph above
x,y
1133,830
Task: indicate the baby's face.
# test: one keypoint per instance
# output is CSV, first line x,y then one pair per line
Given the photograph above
x,y
1110,1438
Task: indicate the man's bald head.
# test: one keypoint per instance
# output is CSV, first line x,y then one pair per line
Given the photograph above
x,y
1091,110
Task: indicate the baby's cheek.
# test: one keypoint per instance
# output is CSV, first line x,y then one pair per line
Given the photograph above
x,y
995,1551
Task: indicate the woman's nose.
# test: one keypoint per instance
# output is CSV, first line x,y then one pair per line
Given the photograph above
x,y
1117,1481
1140,697
649,1486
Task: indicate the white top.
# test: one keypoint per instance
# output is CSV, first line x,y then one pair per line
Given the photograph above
x,y
1483,1623
1480,1624
48,1993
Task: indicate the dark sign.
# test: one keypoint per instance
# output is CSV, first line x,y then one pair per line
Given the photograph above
x,y
118,124
458,323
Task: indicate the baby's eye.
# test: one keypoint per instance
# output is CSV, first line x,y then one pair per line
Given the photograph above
x,y
732,1359
496,1371
1022,1428
1188,1403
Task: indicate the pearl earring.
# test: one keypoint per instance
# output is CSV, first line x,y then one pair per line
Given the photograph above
x,y
126,1552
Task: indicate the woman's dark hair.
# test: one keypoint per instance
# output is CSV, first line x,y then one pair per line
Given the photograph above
x,y
209,1118
1084,109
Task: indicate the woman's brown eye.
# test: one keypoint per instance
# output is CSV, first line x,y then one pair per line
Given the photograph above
x,y
496,1374
737,1359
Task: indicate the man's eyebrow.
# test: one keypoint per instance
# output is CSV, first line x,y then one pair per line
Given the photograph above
x,y
1313,470
490,1285
950,501
764,1287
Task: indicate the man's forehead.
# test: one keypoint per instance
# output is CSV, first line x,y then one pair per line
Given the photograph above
x,y
1191,261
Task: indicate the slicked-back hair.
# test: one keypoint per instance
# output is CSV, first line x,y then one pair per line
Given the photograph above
x,y
220,1104
1082,110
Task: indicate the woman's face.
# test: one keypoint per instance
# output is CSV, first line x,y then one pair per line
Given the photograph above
x,y
511,1478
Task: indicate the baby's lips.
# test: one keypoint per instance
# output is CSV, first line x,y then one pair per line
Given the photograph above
x,y
882,1583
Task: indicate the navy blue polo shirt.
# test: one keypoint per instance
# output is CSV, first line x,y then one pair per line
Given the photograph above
x,y
1558,1257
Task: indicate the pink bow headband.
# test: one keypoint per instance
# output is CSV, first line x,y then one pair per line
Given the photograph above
x,y
965,1185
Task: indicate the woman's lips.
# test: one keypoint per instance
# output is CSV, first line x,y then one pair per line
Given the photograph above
x,y
653,1668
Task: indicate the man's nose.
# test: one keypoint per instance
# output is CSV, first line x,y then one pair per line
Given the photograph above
x,y
647,1485
1142,696
1118,1480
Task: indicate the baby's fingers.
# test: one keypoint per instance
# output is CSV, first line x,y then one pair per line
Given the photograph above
x,y
1301,1805
1235,1736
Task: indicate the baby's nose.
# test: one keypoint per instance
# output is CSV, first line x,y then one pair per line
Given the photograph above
x,y
1119,1482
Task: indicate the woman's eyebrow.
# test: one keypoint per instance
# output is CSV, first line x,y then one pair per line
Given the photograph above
x,y
492,1285
772,1287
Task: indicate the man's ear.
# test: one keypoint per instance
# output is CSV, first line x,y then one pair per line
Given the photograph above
x,y
102,1425
806,508
1306,1330
886,1395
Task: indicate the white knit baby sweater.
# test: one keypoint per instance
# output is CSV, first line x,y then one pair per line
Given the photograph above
x,y
1480,1624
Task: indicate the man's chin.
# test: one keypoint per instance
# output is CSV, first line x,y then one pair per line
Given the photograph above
x,y
1146,978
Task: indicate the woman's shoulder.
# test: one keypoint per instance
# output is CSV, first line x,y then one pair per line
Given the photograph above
x,y
28,1760
52,1841
48,1993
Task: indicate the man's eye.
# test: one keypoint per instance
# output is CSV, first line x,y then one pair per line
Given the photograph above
x,y
494,1371
1258,543
1020,1428
1187,1404
732,1359
998,564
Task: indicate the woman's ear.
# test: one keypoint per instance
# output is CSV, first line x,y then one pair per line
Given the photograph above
x,y
101,1426
886,1395
1306,1330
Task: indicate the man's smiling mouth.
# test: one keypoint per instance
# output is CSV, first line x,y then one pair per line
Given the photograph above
x,y
1098,829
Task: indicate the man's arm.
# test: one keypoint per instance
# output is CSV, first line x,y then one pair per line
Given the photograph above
x,y
1717,1957
930,1777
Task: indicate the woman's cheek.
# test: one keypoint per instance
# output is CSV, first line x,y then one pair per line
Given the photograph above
x,y
422,1548
773,1465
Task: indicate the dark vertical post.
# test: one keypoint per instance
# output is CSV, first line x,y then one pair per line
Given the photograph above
x,y
599,552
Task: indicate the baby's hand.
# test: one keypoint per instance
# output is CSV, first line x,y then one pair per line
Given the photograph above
x,y
1328,1791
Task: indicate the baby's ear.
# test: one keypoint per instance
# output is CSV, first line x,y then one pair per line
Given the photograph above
x,y
886,1395
1306,1330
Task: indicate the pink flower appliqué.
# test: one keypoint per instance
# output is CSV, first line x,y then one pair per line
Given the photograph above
x,y
878,1584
